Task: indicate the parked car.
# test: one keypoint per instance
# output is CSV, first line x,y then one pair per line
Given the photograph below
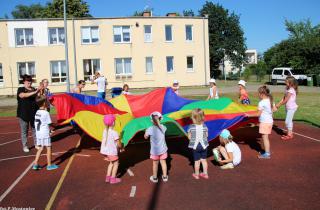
x,y
279,75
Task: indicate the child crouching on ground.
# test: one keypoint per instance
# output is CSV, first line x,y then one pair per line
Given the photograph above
x,y
109,147
158,150
42,122
229,150
198,136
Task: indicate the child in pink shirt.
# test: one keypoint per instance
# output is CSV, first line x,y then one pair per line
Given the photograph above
x,y
109,147
289,100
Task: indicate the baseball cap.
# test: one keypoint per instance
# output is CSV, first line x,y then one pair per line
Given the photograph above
x,y
225,134
175,81
156,113
242,82
212,81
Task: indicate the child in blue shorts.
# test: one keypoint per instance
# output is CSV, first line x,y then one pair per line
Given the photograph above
x,y
198,136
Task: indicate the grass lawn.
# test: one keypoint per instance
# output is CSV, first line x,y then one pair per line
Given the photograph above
x,y
308,111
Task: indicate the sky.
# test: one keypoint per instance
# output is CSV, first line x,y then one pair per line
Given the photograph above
x,y
261,20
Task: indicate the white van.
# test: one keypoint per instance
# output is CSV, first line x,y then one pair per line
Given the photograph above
x,y
279,75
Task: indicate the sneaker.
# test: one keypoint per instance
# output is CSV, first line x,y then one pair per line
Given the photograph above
x,y
52,167
26,149
227,166
114,180
196,176
165,178
108,178
36,167
154,180
265,155
203,175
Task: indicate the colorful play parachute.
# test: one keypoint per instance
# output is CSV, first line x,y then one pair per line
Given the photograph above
x,y
133,112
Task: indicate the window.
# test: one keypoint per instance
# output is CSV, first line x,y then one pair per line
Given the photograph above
x,y
149,65
58,71
26,68
121,34
277,72
56,36
169,63
90,34
123,66
24,36
286,72
1,74
90,66
168,29
189,33
147,33
189,63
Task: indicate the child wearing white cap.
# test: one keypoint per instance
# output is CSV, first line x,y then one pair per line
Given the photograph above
x,y
229,150
175,86
158,150
243,94
213,91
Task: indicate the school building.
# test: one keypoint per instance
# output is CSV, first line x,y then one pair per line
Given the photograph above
x,y
141,51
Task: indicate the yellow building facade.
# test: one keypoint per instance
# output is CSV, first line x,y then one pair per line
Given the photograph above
x,y
139,51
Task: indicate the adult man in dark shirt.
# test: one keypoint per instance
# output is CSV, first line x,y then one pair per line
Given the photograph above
x,y
27,109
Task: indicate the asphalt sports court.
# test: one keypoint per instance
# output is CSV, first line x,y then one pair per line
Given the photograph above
x,y
289,180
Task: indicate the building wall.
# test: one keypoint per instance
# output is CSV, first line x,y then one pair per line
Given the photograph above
x,y
106,50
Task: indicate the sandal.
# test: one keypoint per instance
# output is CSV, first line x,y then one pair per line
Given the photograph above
x,y
195,176
203,175
287,137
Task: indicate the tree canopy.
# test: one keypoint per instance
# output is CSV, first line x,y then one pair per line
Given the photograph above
x,y
53,9
226,37
300,51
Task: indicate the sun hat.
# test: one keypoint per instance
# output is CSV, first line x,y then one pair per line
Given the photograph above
x,y
225,134
156,113
242,82
212,81
175,81
109,119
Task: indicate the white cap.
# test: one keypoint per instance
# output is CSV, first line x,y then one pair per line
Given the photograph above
x,y
175,81
212,81
156,113
242,82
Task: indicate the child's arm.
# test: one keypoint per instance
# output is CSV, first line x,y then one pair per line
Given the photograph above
x,y
229,160
146,134
284,100
189,135
257,114
120,145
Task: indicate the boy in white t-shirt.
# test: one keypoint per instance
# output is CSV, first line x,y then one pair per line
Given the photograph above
x,y
42,122
229,150
101,83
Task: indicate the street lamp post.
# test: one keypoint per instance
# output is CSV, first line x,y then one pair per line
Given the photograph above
x,y
66,44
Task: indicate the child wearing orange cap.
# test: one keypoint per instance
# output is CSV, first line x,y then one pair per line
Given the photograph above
x,y
109,147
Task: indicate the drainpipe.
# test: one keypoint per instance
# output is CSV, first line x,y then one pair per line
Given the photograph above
x,y
204,49
74,54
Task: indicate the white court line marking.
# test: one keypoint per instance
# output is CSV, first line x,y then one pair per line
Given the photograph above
x,y
8,133
15,182
130,172
8,142
61,129
26,156
307,137
133,191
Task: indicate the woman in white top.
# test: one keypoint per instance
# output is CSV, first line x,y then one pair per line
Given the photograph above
x,y
213,90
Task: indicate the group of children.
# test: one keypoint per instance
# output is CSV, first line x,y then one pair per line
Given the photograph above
x,y
227,154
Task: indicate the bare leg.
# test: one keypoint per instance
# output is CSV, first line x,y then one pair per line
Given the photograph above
x,y
36,160
196,167
204,165
49,156
223,152
155,164
115,168
109,170
164,167
266,143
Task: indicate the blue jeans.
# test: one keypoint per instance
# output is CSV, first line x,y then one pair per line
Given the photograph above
x,y
101,95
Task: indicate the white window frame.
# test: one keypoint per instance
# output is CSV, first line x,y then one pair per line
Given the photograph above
x,y
34,78
58,77
122,61
165,34
57,34
90,38
1,75
190,69
191,32
145,34
93,71
172,64
150,72
121,34
24,37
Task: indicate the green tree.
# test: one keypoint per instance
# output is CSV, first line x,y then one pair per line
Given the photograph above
x,y
53,9
226,37
188,13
